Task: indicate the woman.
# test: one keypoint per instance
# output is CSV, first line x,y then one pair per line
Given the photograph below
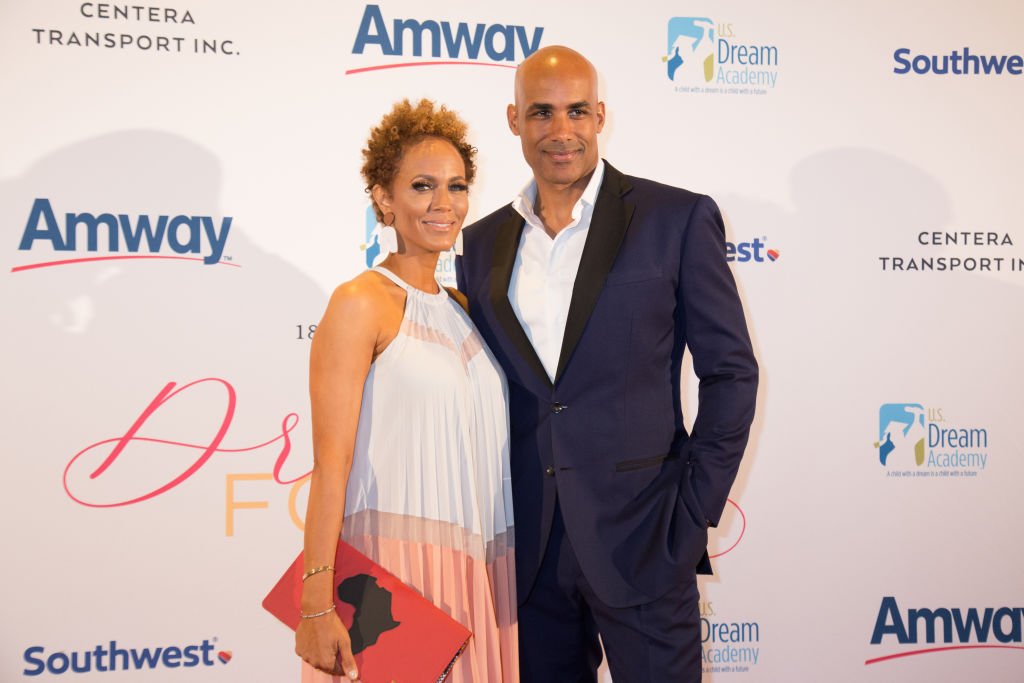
x,y
410,418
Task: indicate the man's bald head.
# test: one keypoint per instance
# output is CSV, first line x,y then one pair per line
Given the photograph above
x,y
554,61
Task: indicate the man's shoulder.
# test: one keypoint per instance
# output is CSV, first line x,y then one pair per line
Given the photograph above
x,y
645,188
640,189
489,224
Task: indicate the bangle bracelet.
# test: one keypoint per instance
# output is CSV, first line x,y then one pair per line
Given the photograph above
x,y
317,570
317,614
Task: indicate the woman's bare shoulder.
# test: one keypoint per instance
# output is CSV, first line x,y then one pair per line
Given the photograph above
x,y
360,300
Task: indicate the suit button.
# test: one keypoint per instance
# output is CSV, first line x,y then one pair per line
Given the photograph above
x,y
557,408
550,471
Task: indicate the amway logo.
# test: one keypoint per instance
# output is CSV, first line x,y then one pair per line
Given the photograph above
x,y
114,658
459,42
953,627
183,234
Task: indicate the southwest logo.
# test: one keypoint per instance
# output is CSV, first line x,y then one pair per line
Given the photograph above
x,y
110,657
504,45
953,628
141,236
755,251
957,62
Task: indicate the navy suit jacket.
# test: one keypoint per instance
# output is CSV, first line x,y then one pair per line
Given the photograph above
x,y
606,438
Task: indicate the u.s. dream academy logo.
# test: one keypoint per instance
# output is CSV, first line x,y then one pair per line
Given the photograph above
x,y
729,644
915,441
709,57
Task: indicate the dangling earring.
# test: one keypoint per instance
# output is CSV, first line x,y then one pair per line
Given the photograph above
x,y
457,247
387,237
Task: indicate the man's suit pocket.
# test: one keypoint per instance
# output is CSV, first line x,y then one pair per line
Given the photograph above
x,y
641,463
689,498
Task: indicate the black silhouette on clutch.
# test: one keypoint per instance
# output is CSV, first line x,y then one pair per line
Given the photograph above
x,y
373,610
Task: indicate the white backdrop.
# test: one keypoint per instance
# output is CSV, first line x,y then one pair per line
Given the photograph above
x,y
241,124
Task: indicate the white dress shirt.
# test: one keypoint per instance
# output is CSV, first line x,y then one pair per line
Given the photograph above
x,y
545,269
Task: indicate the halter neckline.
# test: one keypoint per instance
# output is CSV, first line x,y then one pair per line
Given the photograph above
x,y
440,295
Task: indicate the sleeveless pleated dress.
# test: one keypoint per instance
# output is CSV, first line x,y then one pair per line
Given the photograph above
x,y
429,495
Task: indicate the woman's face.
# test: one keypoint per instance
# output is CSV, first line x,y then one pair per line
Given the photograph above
x,y
429,197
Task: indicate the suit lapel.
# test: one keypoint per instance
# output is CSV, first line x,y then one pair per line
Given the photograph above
x,y
607,229
506,246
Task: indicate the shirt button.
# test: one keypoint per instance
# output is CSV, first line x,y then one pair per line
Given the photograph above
x,y
557,408
550,471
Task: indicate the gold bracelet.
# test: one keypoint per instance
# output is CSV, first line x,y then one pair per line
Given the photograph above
x,y
317,614
317,570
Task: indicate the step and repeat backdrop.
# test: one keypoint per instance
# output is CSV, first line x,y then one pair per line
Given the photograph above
x,y
180,192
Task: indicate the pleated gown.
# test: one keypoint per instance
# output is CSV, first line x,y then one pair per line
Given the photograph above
x,y
429,495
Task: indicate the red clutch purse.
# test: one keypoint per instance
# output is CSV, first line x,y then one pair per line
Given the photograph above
x,y
398,636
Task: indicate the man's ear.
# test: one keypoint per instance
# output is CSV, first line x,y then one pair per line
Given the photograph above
x,y
513,121
600,116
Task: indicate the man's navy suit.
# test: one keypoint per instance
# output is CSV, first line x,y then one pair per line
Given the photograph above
x,y
606,439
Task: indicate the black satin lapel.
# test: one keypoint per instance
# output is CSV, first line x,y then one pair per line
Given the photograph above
x,y
505,247
607,229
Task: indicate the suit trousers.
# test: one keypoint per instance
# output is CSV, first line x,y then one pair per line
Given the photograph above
x,y
561,620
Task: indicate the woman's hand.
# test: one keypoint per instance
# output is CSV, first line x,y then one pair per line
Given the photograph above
x,y
323,642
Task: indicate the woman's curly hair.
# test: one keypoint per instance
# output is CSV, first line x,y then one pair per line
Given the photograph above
x,y
405,125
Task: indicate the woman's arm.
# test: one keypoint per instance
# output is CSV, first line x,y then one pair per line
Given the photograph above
x,y
345,344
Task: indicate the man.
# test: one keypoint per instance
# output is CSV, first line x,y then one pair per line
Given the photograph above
x,y
587,288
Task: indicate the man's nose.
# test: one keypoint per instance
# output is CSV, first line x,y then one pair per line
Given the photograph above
x,y
561,126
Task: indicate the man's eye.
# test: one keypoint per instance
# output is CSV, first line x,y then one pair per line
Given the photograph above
x,y
542,114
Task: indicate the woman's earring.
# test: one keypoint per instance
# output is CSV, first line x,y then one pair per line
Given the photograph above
x,y
388,241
